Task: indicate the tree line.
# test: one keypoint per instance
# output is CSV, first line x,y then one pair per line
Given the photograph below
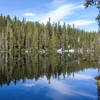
x,y
17,35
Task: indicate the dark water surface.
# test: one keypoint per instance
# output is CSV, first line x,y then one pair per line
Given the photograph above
x,y
49,77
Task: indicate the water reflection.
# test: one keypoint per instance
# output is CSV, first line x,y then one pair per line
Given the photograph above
x,y
15,67
69,76
68,90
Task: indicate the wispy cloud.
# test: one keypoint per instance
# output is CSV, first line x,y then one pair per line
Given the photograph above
x,y
29,14
61,12
29,85
66,90
82,22
82,77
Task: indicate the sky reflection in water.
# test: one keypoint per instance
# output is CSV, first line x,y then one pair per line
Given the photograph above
x,y
78,85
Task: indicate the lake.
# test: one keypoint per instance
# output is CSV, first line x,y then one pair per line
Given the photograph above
x,y
49,77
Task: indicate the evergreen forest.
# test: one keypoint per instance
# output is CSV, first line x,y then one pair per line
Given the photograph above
x,y
17,35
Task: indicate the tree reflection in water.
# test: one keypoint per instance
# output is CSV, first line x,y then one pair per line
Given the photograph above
x,y
14,67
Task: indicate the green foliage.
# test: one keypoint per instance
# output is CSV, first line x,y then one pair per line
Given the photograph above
x,y
16,35
92,3
18,67
95,3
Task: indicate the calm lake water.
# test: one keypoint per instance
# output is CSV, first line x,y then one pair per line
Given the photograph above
x,y
49,77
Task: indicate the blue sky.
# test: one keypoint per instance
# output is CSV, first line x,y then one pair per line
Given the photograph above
x,y
69,11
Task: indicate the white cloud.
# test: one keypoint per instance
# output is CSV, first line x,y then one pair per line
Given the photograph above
x,y
61,12
82,22
29,85
29,14
81,77
66,89
61,87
